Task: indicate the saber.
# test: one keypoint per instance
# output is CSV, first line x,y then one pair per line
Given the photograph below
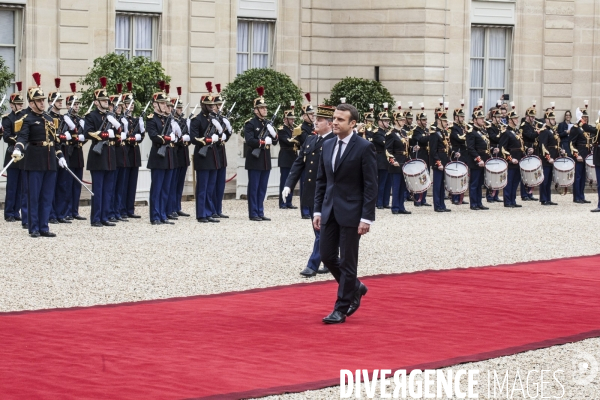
x,y
7,165
90,109
193,112
222,106
2,102
77,179
230,110
54,101
118,102
129,107
185,108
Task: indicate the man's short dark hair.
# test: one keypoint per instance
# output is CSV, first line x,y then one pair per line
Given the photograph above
x,y
351,109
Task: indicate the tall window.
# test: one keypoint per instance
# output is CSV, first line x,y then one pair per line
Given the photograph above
x,y
135,35
490,49
9,38
253,44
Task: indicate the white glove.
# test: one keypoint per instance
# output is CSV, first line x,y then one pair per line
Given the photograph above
x,y
496,150
125,124
188,122
217,125
272,131
457,155
138,137
82,123
214,138
515,161
69,122
268,140
81,138
223,137
286,192
579,158
551,161
62,162
68,136
481,164
416,148
186,138
16,154
123,136
114,122
111,134
227,124
141,125
172,136
530,151
441,167
175,128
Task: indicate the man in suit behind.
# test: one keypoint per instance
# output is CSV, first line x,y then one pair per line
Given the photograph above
x,y
344,209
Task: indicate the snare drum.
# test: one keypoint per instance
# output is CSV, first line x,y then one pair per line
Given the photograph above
x,y
456,177
590,168
563,172
532,173
496,173
416,175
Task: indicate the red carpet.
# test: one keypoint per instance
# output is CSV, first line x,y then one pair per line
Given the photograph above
x,y
271,341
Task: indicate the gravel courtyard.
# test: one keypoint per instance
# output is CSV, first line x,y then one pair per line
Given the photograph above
x,y
134,261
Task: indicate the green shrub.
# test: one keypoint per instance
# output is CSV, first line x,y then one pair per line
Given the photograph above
x,y
360,93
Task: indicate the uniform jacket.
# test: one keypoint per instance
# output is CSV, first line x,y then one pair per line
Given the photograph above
x,y
37,132
107,161
154,127
252,131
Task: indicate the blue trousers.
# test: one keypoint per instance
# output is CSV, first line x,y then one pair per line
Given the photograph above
x,y
12,200
546,186
182,172
118,204
398,192
513,179
304,210
314,261
75,193
62,195
205,186
597,168
580,178
103,188
172,202
159,193
258,182
439,192
525,191
112,187
488,193
131,190
287,202
475,184
41,193
24,197
220,190
383,188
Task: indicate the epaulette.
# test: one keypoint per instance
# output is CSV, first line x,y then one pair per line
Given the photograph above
x,y
19,124
248,120
150,116
5,115
389,132
280,127
523,123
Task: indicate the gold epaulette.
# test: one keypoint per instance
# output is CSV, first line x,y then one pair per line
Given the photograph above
x,y
19,123
523,123
55,122
280,127
5,115
506,153
389,132
150,116
95,135
248,120
544,150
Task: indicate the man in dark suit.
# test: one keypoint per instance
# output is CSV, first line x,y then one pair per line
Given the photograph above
x,y
345,199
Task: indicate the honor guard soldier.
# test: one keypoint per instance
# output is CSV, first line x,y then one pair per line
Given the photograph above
x,y
73,133
512,149
259,136
219,191
529,134
409,129
37,130
478,149
494,132
439,156
367,130
122,156
549,150
101,128
183,156
596,159
137,133
306,167
171,208
15,199
397,152
205,133
420,144
307,130
385,181
458,142
162,131
55,101
581,138
287,154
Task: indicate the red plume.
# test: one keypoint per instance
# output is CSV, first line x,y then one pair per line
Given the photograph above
x,y
129,87
209,87
73,87
57,83
161,85
37,78
260,91
19,86
218,85
307,95
178,90
103,81
167,88
119,88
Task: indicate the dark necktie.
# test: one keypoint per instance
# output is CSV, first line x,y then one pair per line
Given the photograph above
x,y
339,154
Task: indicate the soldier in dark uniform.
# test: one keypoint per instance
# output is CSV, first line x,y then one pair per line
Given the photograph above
x,y
308,162
137,133
204,132
420,143
513,150
307,130
596,159
183,156
259,136
74,127
409,129
14,200
171,208
385,181
368,129
439,156
287,154
397,152
549,150
221,150
121,151
478,149
37,130
458,142
58,211
530,135
581,138
494,133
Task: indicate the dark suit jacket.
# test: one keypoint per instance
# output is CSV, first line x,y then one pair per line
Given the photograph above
x,y
350,193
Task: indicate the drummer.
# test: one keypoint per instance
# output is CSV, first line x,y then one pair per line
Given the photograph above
x,y
548,148
529,134
494,132
420,143
458,142
513,150
581,137
478,149
396,148
408,130
439,156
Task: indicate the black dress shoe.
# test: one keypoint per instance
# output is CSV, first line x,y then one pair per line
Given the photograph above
x,y
518,205
387,207
69,218
211,219
133,216
254,219
418,204
586,201
113,220
596,210
579,201
551,203
283,207
34,234
97,225
380,207
18,218
533,198
335,317
203,220
53,221
24,226
173,216
323,270
447,210
306,217
525,199
223,216
483,208
362,290
509,205
401,212
47,234
182,214
307,272
543,203
167,222
62,221
108,223
124,217
426,204
475,208
456,203
439,210
265,218
10,219
292,207
215,216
